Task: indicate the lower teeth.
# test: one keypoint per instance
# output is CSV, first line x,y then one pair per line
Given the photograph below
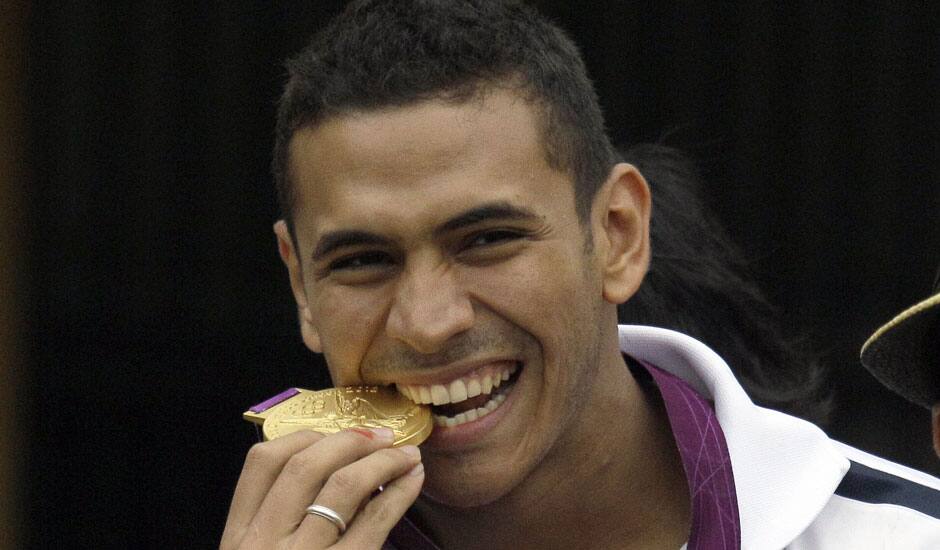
x,y
472,414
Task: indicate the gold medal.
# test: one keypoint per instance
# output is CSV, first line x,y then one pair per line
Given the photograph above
x,y
335,409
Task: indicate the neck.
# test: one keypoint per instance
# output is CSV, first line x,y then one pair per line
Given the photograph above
x,y
618,482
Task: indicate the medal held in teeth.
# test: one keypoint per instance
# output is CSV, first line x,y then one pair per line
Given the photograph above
x,y
335,409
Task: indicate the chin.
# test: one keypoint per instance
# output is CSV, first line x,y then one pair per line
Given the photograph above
x,y
461,489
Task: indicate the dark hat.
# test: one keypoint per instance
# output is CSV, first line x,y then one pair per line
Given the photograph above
x,y
904,354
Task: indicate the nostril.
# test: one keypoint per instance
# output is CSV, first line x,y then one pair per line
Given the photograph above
x,y
427,324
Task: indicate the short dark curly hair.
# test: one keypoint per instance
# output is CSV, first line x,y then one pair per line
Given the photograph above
x,y
391,53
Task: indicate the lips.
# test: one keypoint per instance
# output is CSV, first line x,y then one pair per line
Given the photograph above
x,y
467,398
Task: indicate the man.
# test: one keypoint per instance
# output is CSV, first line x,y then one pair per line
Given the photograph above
x,y
454,212
904,355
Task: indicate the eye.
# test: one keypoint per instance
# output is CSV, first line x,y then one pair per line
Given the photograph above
x,y
362,260
492,237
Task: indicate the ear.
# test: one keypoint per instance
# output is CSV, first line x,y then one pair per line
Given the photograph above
x,y
620,220
285,246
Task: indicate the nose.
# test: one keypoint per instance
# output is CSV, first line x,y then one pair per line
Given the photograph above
x,y
429,308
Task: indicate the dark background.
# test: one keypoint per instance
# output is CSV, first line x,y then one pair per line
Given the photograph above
x,y
157,307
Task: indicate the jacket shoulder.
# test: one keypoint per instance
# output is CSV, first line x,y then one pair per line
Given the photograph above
x,y
878,504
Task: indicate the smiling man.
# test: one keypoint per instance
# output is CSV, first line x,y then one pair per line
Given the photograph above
x,y
457,225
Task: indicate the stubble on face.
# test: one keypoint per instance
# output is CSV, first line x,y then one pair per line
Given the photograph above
x,y
400,173
495,338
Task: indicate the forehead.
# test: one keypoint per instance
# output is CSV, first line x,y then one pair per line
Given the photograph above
x,y
414,164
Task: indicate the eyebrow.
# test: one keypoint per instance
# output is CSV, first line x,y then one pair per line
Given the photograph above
x,y
493,211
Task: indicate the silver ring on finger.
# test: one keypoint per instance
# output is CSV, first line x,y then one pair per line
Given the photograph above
x,y
328,514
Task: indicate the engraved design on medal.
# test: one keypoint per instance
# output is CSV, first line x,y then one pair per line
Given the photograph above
x,y
336,409
351,412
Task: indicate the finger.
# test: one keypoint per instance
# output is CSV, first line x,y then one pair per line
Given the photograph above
x,y
349,487
316,531
263,463
382,513
304,474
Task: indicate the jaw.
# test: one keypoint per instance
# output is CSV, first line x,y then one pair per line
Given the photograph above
x,y
487,461
557,414
477,462
597,455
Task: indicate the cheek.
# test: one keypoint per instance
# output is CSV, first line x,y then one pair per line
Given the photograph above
x,y
512,291
543,292
347,323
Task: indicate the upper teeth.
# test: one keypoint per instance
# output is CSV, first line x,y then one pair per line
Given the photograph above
x,y
461,389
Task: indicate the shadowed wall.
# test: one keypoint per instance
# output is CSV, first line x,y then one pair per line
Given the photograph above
x,y
12,283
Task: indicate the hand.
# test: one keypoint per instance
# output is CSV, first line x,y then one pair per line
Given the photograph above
x,y
341,471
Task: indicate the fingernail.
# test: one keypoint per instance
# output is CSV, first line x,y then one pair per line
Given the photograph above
x,y
411,451
417,470
363,432
383,434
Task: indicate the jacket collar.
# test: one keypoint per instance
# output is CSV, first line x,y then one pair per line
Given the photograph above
x,y
785,469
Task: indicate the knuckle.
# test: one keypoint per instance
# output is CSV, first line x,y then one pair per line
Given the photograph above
x,y
255,539
301,439
381,512
308,436
397,456
299,465
343,481
260,456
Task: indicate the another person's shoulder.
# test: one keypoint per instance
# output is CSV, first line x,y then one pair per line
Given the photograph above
x,y
878,504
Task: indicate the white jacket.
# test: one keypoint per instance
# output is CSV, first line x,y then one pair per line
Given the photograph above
x,y
794,485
